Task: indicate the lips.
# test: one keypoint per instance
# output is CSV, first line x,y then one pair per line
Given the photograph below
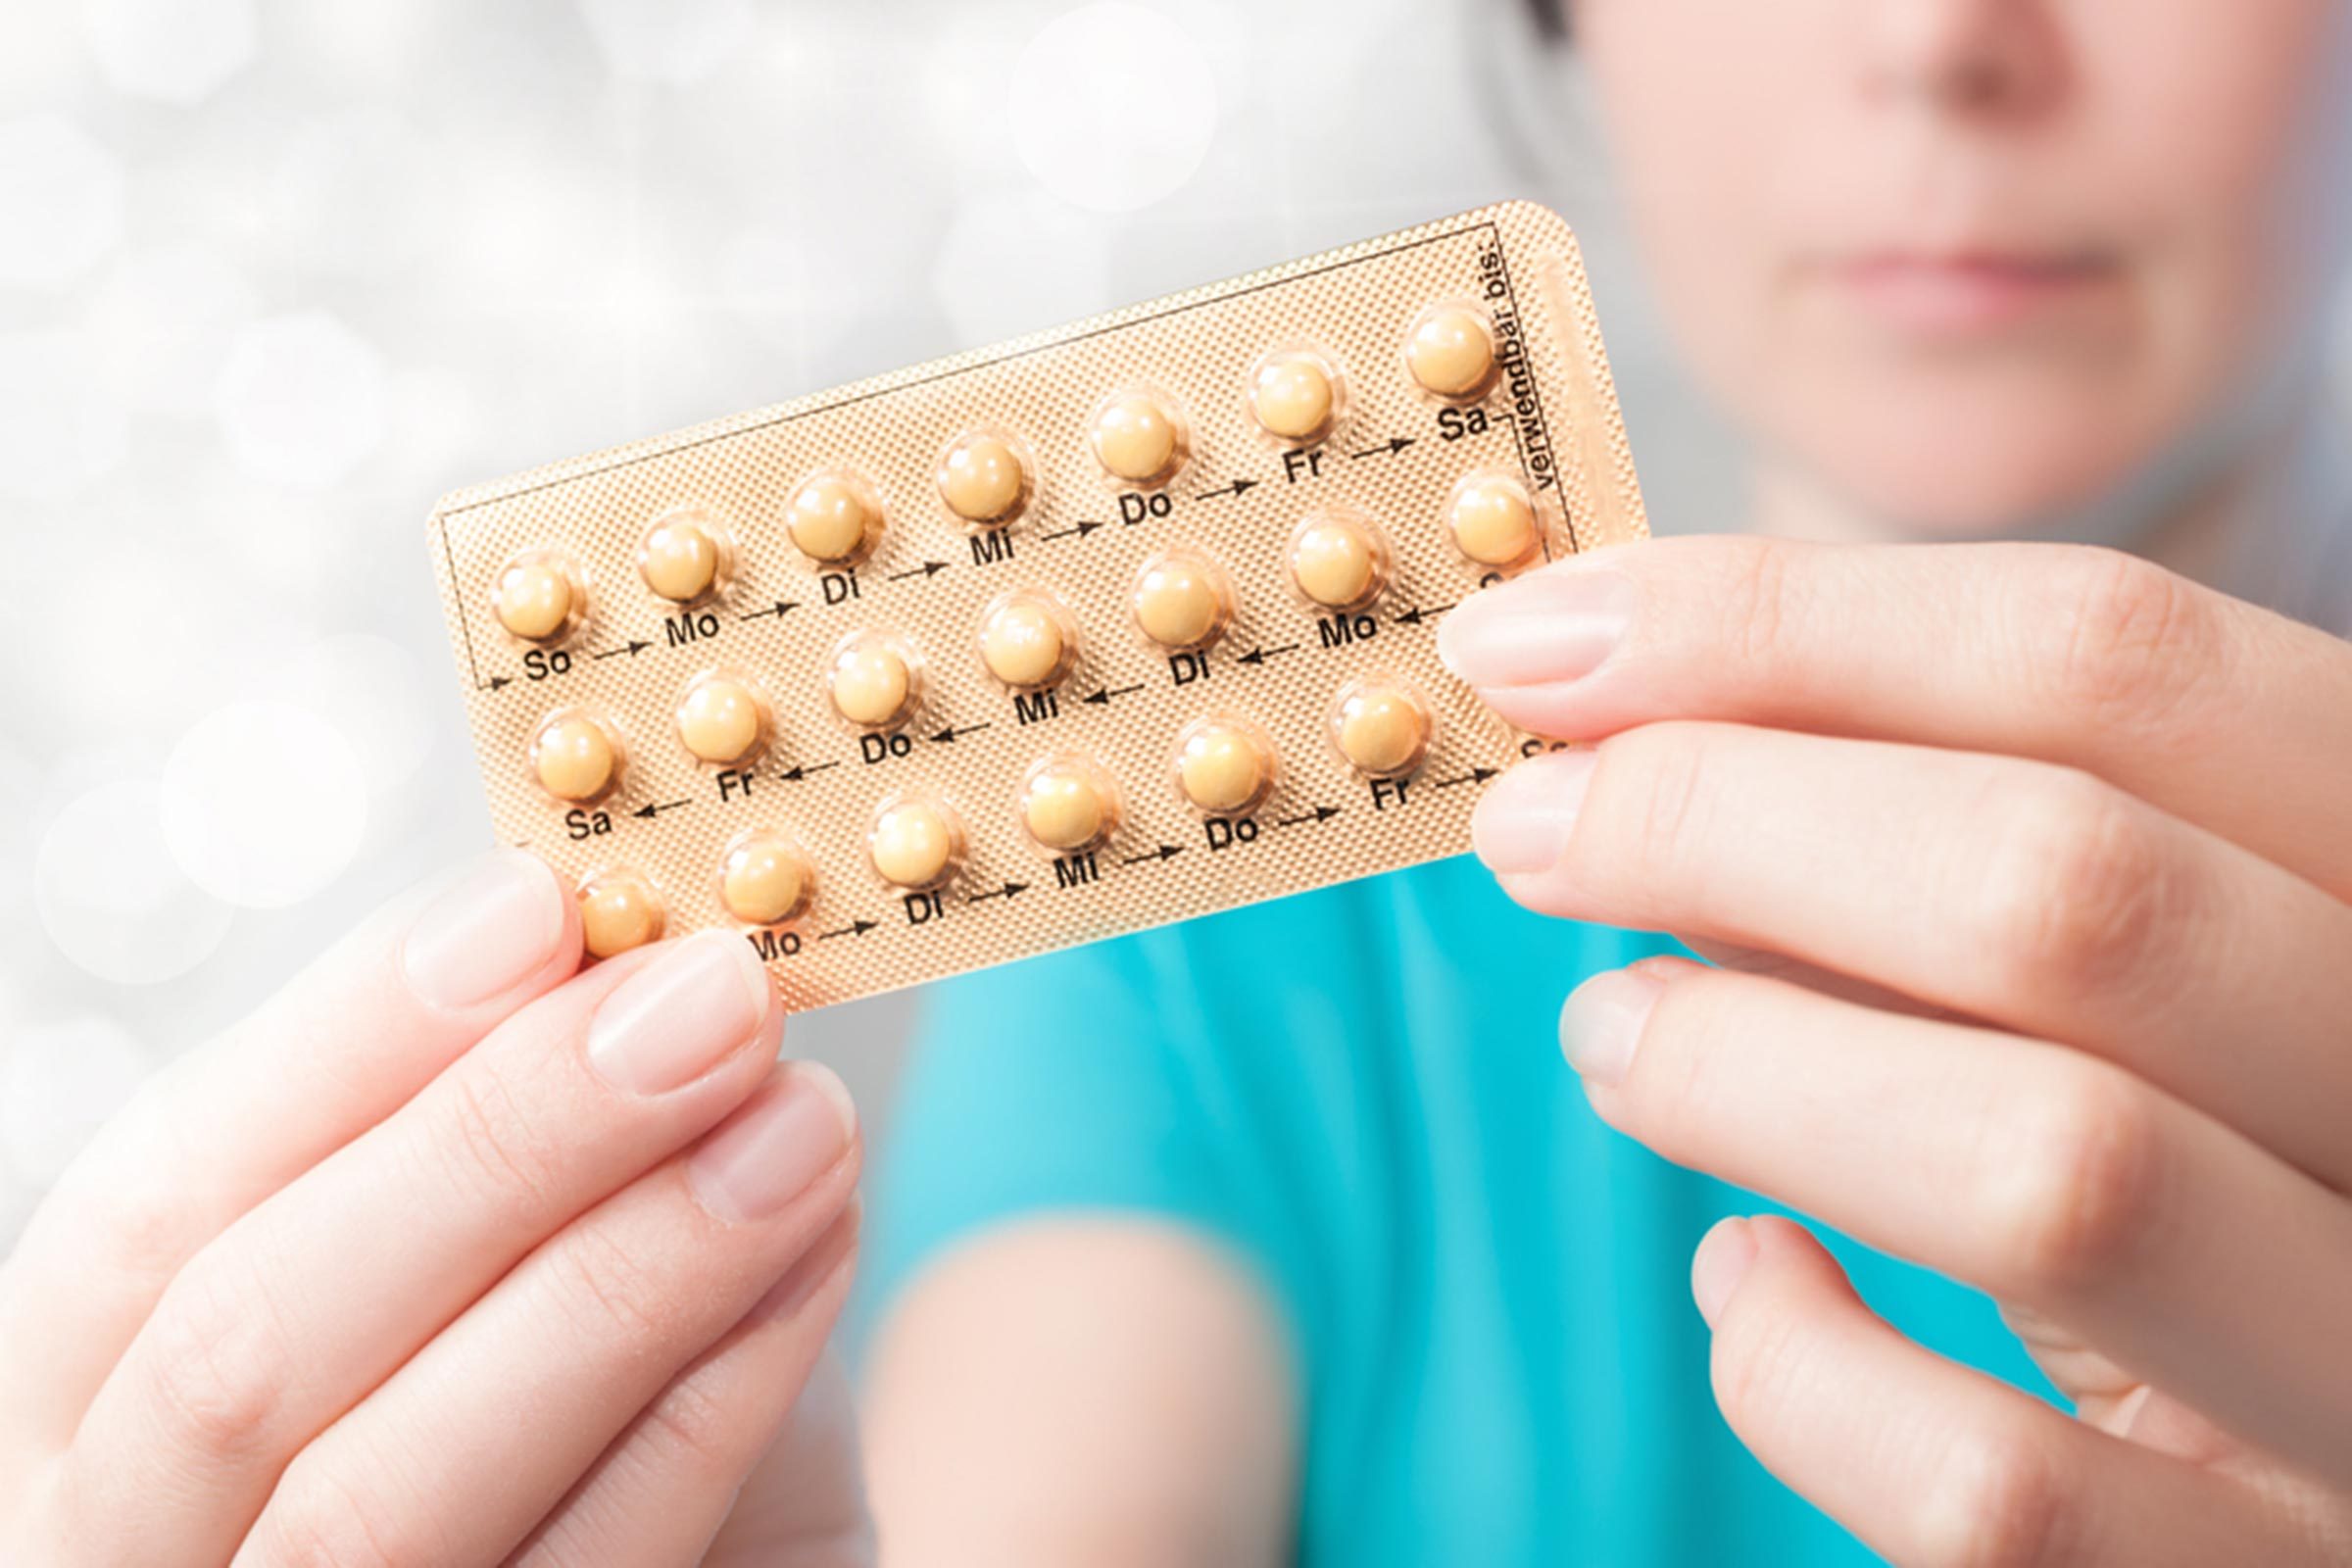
x,y
1966,294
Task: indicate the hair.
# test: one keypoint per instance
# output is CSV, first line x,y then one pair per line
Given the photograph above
x,y
1552,18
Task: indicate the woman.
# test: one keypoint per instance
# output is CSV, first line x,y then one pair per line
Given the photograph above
x,y
1273,1238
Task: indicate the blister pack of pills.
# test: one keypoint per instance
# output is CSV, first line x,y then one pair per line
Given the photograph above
x,y
1117,625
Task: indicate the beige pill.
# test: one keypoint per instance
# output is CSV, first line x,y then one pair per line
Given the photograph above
x,y
1292,395
1383,731
680,559
1221,768
1493,522
1022,644
1136,438
873,685
534,600
1065,809
1179,602
720,720
832,519
618,914
1452,353
914,845
981,479
1336,561
575,759
765,881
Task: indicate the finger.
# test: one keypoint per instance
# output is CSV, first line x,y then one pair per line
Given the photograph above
x,y
350,1040
1931,1463
2197,1261
313,1299
2015,892
807,1494
573,1344
661,1493
2086,657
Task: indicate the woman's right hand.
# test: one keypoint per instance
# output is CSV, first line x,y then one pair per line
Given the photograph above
x,y
449,1256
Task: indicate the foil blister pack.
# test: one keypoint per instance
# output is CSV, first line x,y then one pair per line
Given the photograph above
x,y
1116,624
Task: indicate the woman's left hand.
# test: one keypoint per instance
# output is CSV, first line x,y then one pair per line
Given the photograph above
x,y
2027,868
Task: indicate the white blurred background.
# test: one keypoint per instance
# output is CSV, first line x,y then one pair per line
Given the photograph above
x,y
276,273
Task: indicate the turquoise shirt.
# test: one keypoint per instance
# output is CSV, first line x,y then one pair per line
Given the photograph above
x,y
1361,1093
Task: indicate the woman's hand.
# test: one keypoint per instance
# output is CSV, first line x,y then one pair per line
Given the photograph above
x,y
2028,868
447,1255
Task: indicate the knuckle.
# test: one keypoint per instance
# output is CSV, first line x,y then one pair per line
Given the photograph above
x,y
1761,1367
1996,1503
2130,639
606,1292
1757,598
2075,1183
1669,772
2074,887
692,1431
216,1368
315,1521
492,1145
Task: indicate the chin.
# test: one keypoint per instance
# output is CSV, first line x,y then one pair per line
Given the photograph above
x,y
1982,464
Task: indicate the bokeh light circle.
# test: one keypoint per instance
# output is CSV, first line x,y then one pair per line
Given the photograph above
x,y
1113,105
372,692
111,896
171,51
264,804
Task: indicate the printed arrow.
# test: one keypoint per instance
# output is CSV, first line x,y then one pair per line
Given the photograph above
x,y
1233,489
650,810
496,681
632,650
1477,775
801,770
1259,656
856,928
1391,446
1101,699
951,731
777,608
1081,532
1322,813
1004,892
1421,613
923,570
1165,851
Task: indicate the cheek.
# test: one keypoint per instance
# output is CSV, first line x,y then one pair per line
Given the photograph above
x,y
1695,100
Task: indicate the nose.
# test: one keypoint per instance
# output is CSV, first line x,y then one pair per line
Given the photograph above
x,y
1972,56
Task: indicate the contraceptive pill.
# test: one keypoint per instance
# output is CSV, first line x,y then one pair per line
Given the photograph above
x,y
1124,622
1138,436
681,557
536,600
1450,351
983,477
619,910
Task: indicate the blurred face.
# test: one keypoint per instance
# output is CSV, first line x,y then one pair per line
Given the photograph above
x,y
1969,263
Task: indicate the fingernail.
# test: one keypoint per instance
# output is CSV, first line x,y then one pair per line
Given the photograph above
x,y
677,1018
1543,628
486,934
787,1135
1602,1024
1722,1262
1524,821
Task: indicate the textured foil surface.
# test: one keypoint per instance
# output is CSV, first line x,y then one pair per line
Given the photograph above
x,y
1552,419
